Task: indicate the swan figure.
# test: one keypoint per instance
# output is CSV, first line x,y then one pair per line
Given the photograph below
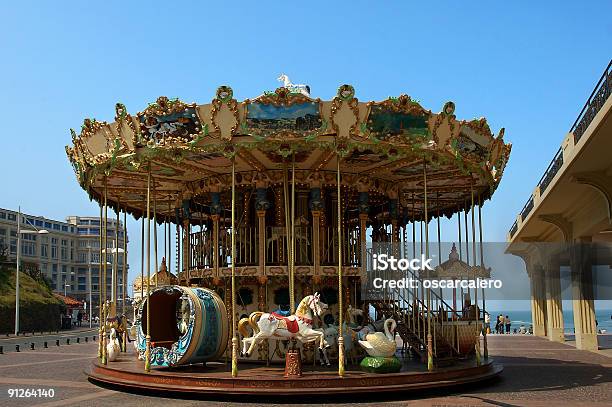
x,y
113,348
381,344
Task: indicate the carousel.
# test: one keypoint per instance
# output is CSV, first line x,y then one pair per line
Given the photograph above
x,y
268,211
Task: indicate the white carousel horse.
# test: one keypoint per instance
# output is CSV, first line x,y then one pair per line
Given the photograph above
x,y
303,89
113,348
381,344
299,326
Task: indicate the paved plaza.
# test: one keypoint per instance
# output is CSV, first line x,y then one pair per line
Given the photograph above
x,y
536,373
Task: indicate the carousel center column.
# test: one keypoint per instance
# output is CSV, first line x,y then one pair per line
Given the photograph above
x,y
261,206
215,212
186,248
316,207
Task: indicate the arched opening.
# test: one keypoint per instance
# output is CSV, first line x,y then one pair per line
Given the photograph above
x,y
165,311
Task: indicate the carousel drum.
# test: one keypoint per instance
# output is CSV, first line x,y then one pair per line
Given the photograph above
x,y
188,325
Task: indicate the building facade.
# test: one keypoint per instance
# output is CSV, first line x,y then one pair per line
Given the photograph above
x,y
67,254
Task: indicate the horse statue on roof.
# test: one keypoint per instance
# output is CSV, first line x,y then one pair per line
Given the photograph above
x,y
299,88
268,325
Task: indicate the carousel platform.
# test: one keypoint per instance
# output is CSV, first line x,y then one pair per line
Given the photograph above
x,y
214,379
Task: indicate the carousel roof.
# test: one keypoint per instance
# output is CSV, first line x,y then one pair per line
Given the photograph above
x,y
385,148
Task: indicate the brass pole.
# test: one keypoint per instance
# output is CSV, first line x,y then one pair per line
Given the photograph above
x,y
459,227
292,254
142,240
430,365
476,312
484,336
168,221
288,236
115,253
105,243
148,337
124,269
155,234
100,291
340,294
234,336
467,241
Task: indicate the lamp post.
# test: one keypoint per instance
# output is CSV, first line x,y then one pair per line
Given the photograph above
x,y
114,273
99,264
19,232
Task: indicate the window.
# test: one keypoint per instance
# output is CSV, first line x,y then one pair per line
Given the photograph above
x,y
64,269
81,287
13,245
44,250
64,242
48,225
94,231
54,268
56,226
2,215
30,221
2,231
64,253
39,222
12,216
64,228
82,231
94,222
54,240
82,257
54,252
28,248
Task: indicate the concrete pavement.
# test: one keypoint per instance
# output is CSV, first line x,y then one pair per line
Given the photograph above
x,y
537,373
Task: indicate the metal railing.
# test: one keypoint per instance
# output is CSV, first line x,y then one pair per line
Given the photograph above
x,y
527,209
513,229
552,170
594,104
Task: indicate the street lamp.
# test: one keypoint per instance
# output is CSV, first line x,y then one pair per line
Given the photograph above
x,y
99,264
115,267
19,232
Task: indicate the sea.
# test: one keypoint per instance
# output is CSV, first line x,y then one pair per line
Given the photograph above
x,y
518,318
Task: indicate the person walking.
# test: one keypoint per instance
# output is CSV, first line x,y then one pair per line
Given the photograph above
x,y
507,322
79,318
487,321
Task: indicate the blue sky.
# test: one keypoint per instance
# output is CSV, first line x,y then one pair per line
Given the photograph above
x,y
525,66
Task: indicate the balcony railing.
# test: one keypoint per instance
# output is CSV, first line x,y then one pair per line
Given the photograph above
x,y
527,209
594,104
551,171
513,229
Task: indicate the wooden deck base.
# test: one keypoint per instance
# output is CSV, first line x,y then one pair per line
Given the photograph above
x,y
215,379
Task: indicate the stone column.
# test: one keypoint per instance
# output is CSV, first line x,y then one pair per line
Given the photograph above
x,y
582,295
261,206
554,307
538,301
315,204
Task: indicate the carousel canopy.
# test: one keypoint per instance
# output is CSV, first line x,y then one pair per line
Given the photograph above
x,y
385,148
